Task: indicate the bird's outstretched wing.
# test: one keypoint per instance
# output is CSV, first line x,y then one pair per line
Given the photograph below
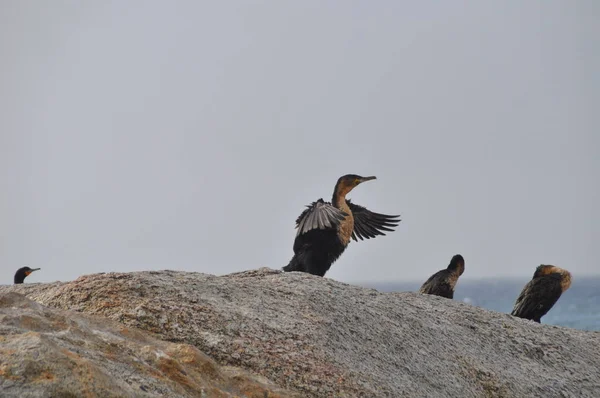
x,y
319,215
368,224
537,297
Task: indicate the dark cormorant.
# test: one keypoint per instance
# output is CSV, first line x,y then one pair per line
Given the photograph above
x,y
325,229
442,283
542,292
22,273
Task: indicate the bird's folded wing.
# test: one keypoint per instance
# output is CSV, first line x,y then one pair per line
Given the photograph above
x,y
426,287
368,224
539,293
319,215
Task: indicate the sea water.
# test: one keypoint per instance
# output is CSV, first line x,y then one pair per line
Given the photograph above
x,y
578,307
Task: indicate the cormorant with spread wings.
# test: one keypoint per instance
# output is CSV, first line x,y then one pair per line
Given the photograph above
x,y
325,229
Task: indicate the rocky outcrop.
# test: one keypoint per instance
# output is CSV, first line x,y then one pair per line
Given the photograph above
x,y
55,353
323,338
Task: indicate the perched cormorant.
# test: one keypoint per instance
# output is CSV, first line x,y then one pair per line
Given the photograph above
x,y
442,283
22,273
542,292
325,229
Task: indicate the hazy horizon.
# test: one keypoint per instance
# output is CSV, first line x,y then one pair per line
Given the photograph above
x,y
189,136
367,282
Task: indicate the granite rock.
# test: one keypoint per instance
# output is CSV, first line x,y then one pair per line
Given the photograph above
x,y
323,338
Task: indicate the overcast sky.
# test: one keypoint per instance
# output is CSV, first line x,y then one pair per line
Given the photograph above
x,y
189,135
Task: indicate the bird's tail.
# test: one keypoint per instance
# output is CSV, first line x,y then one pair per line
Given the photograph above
x,y
305,261
294,265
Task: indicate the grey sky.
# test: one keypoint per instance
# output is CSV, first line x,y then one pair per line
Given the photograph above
x,y
189,135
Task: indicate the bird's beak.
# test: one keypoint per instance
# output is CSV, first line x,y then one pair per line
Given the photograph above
x,y
31,270
363,179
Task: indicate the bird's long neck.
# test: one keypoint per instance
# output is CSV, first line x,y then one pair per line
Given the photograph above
x,y
339,196
456,269
346,227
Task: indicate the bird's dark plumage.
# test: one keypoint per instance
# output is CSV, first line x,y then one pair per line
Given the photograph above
x,y
443,282
22,273
324,229
541,293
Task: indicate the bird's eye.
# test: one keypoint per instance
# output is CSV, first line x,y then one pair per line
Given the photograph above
x,y
356,181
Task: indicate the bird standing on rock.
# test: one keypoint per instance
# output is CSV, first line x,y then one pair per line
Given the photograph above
x,y
325,229
22,273
443,282
541,293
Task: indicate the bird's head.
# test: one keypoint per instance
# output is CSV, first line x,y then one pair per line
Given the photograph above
x,y
347,183
457,264
544,269
22,273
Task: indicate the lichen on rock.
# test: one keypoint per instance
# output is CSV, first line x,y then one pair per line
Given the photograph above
x,y
48,352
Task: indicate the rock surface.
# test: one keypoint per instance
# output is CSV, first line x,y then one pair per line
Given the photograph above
x,y
55,353
324,338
